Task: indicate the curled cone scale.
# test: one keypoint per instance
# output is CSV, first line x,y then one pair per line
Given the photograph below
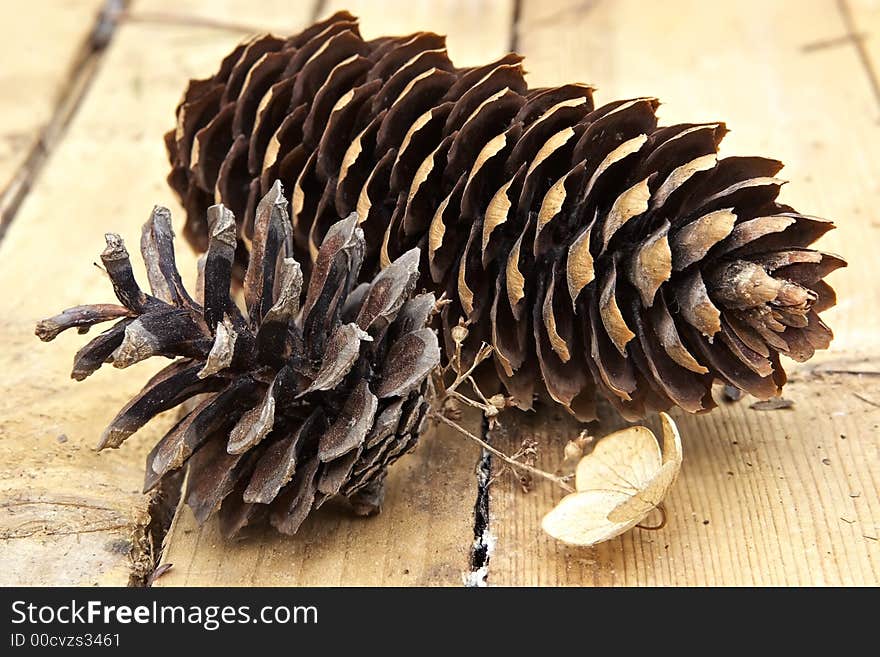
x,y
601,254
298,397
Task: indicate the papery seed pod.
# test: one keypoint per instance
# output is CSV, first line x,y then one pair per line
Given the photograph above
x,y
599,253
298,399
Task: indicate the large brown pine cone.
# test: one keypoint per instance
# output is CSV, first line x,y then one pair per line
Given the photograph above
x,y
297,403
598,252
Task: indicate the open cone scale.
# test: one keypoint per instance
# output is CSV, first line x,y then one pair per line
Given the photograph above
x,y
299,397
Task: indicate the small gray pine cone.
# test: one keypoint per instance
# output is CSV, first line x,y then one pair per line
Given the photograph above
x,y
296,403
599,253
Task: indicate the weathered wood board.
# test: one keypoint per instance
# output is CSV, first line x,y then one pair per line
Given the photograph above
x,y
422,537
67,514
765,498
38,50
774,497
790,496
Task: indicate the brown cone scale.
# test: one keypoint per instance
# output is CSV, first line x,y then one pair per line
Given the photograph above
x,y
600,253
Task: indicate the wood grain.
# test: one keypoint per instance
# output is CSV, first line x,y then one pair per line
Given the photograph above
x,y
38,49
776,497
476,30
67,514
785,497
790,496
422,537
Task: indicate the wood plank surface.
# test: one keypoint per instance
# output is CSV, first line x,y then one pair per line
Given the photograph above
x,y
38,50
67,514
425,531
422,537
476,30
772,497
785,497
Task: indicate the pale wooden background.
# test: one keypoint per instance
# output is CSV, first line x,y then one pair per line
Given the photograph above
x,y
773,497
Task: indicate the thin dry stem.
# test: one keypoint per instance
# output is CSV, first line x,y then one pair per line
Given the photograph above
x,y
662,509
444,394
559,481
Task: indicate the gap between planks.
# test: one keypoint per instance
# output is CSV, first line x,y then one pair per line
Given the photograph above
x,y
54,485
80,73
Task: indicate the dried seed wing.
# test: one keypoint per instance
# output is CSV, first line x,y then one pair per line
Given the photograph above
x,y
647,498
582,518
623,461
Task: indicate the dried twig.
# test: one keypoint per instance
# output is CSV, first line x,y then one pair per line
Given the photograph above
x,y
559,481
489,406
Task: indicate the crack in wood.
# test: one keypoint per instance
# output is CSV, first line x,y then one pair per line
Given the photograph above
x,y
482,545
19,532
516,17
858,42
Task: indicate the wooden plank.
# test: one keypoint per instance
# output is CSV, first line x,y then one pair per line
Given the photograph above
x,y
765,498
862,21
422,537
424,534
477,31
39,47
790,496
68,515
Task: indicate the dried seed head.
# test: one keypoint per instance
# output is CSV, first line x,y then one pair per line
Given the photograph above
x,y
296,405
498,401
618,484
